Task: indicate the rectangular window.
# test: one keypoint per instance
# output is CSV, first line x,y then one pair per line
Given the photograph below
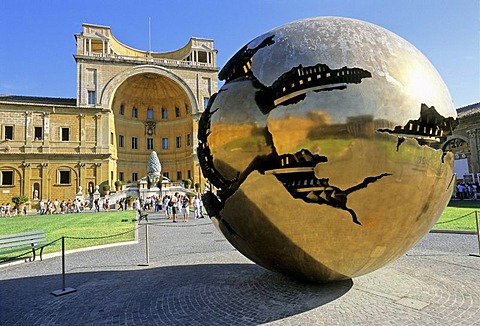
x,y
134,143
149,113
122,109
149,143
65,134
179,175
205,102
120,176
178,141
121,141
187,109
177,112
64,177
112,137
8,132
164,143
189,174
189,141
134,112
92,97
164,113
6,178
38,133
134,176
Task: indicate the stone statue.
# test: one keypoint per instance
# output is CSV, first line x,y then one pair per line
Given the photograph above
x,y
153,170
35,194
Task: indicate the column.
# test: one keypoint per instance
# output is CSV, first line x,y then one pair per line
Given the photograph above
x,y
472,134
81,118
98,132
45,194
28,129
25,186
46,129
98,173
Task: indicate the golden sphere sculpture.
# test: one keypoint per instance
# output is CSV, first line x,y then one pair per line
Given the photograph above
x,y
323,148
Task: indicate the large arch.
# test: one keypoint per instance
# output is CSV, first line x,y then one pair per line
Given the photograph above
x,y
108,92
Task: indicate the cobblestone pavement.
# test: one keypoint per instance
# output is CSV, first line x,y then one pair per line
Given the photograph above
x,y
195,277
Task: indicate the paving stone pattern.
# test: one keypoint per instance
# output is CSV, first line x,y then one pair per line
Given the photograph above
x,y
195,277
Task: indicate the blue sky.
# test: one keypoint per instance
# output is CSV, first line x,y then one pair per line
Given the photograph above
x,y
37,42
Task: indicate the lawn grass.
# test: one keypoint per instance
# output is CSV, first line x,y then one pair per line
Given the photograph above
x,y
459,215
78,225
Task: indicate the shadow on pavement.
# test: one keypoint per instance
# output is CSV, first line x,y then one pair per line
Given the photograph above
x,y
207,294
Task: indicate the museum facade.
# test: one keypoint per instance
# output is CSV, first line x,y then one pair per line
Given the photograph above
x,y
128,103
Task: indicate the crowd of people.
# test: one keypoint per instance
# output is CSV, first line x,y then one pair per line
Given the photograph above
x,y
466,191
178,206
175,206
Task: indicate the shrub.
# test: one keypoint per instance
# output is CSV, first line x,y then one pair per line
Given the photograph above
x,y
106,187
118,183
19,199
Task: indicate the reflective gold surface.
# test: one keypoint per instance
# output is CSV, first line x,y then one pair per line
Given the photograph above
x,y
320,145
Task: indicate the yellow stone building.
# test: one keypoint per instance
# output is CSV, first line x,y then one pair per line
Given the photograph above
x,y
129,103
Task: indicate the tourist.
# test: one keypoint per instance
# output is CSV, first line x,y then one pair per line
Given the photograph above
x,y
173,204
196,207
42,207
168,206
8,210
2,210
120,204
97,205
185,208
55,206
201,207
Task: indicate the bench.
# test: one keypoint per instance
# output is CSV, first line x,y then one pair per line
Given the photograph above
x,y
25,241
142,215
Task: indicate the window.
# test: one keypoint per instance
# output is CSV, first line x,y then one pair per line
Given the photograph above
x,y
177,112
6,178
38,133
8,132
178,141
122,109
164,113
164,143
134,143
120,176
134,112
208,85
189,141
205,102
149,113
64,177
149,143
92,97
189,174
134,176
179,175
121,141
187,109
202,56
112,137
65,134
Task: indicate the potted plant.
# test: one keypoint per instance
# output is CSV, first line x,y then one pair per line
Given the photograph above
x,y
106,190
19,203
118,185
187,183
129,201
197,187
